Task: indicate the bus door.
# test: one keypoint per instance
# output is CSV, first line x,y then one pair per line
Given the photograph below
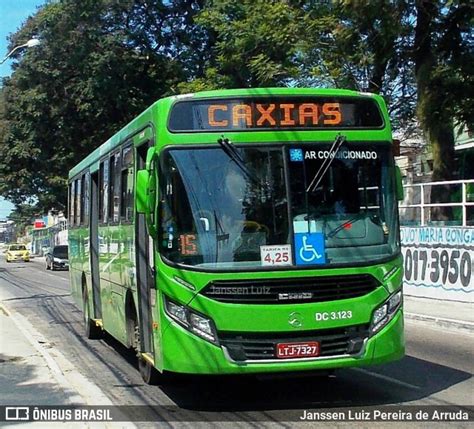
x,y
94,244
144,263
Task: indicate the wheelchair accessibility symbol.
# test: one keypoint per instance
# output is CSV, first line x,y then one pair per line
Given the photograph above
x,y
309,248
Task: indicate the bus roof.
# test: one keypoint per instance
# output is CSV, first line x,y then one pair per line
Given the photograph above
x,y
261,92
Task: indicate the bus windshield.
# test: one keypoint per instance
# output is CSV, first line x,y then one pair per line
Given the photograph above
x,y
302,202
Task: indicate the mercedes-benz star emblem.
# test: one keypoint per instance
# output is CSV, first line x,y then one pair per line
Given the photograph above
x,y
295,319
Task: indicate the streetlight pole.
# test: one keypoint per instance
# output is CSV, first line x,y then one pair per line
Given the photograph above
x,y
29,44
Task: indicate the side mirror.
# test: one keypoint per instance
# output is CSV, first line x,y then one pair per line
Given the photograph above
x,y
142,182
146,191
399,184
151,204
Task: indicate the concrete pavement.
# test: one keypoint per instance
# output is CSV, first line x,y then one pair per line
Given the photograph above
x,y
33,369
27,371
40,375
443,313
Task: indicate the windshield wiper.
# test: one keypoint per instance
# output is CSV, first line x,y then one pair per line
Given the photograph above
x,y
340,139
230,150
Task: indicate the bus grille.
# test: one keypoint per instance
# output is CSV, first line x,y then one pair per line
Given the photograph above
x,y
291,291
262,346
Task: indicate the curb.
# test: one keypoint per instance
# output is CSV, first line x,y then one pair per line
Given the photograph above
x,y
441,321
84,392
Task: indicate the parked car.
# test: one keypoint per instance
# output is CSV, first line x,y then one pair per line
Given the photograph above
x,y
57,258
17,252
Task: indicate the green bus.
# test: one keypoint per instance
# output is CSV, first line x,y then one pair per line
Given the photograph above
x,y
243,231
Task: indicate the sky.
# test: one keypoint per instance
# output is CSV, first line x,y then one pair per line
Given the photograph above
x,y
12,14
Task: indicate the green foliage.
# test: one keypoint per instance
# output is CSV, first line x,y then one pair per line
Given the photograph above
x,y
444,65
68,95
23,215
363,46
256,43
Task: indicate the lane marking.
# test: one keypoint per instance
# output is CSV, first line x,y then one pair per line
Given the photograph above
x,y
387,378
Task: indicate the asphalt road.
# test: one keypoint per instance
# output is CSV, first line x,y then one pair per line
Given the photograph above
x,y
437,369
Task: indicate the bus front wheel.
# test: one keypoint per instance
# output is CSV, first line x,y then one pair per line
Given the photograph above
x,y
91,330
149,373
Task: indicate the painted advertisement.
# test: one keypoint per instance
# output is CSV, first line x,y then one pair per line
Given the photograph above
x,y
438,262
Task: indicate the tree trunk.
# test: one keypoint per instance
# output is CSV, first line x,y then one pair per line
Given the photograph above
x,y
434,119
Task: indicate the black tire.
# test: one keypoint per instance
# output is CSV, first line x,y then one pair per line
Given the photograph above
x,y
91,330
149,374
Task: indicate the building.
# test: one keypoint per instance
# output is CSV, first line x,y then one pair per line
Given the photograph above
x,y
464,147
7,231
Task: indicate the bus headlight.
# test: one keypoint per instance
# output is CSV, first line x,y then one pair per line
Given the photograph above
x,y
177,312
202,326
383,314
192,321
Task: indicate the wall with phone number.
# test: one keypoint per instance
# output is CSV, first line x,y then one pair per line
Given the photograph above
x,y
438,262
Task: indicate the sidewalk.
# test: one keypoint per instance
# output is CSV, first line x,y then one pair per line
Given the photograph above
x,y
443,313
31,378
37,373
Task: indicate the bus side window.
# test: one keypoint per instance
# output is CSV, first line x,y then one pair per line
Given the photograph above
x,y
82,197
85,201
127,177
114,192
103,191
71,204
78,210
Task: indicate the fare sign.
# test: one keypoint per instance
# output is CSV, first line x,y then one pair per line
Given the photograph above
x,y
275,255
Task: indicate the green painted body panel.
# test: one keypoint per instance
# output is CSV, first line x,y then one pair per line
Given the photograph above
x,y
188,354
176,349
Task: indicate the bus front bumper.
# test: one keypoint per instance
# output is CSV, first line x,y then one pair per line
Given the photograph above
x,y
187,353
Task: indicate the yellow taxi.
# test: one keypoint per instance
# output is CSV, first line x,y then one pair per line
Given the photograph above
x,y
17,252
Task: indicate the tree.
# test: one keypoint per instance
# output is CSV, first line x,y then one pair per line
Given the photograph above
x,y
362,46
444,75
346,44
68,95
255,43
22,216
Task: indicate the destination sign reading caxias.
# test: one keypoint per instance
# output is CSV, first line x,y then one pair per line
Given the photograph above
x,y
303,113
272,115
